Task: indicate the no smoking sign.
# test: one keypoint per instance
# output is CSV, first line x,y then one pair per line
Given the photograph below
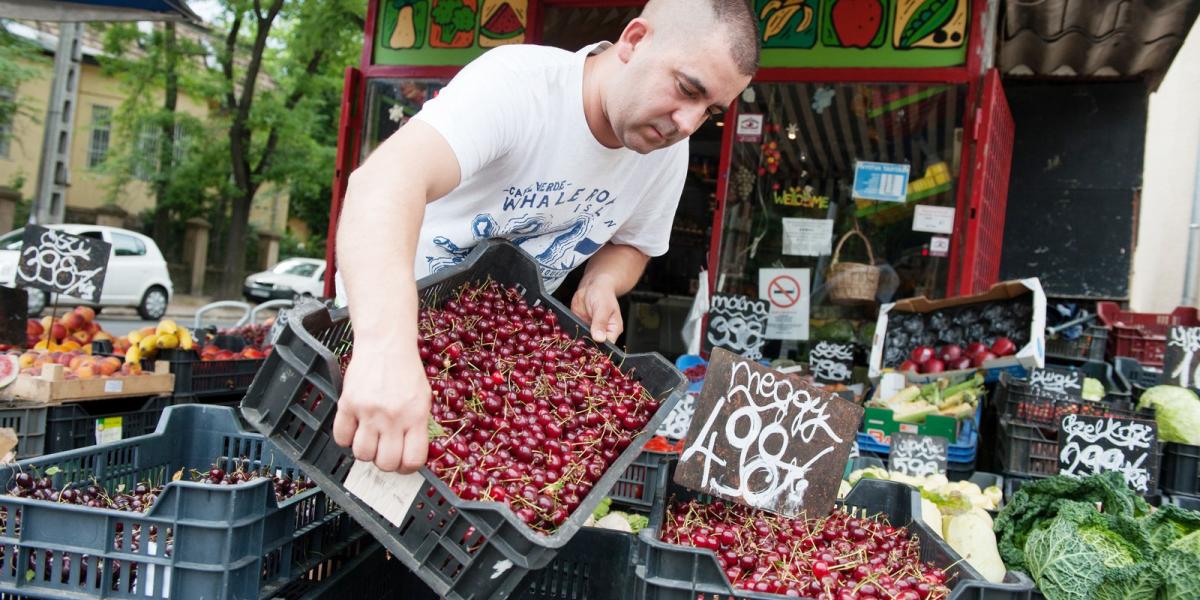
x,y
783,291
787,291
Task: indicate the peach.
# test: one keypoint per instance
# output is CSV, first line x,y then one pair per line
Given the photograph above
x,y
85,372
109,365
82,336
73,321
34,328
58,332
75,362
103,336
26,360
88,313
47,321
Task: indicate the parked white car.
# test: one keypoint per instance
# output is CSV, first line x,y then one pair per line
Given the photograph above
x,y
290,279
137,273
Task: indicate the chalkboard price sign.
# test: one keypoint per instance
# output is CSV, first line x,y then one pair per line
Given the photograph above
x,y
1047,382
1181,364
918,455
767,439
832,362
737,324
1089,445
61,263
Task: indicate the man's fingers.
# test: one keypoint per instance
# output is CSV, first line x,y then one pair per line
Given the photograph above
x,y
344,425
416,447
391,452
366,442
615,326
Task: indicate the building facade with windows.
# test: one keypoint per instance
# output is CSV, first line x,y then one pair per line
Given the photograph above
x,y
93,195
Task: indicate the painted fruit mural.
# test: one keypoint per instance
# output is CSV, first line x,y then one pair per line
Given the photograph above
x,y
502,22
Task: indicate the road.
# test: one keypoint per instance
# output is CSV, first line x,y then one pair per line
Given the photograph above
x,y
120,321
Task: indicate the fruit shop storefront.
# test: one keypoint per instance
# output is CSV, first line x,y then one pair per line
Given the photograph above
x,y
868,160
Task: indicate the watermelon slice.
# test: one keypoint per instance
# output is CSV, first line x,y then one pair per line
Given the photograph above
x,y
8,370
504,24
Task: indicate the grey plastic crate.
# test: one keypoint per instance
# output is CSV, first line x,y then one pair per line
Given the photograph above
x,y
638,484
73,425
29,422
670,572
229,542
452,544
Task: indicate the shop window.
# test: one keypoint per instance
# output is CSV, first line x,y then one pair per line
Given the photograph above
x,y
390,104
791,202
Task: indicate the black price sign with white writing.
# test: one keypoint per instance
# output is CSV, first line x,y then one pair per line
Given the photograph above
x,y
1181,365
767,439
918,455
1089,445
832,362
1047,382
737,324
61,263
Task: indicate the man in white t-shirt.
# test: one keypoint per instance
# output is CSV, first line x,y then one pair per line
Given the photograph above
x,y
573,156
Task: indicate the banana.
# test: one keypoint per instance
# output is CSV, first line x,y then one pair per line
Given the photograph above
x,y
168,341
167,327
148,344
185,339
133,356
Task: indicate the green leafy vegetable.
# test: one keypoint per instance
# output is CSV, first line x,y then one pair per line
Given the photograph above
x,y
1180,567
1093,390
1038,502
602,509
1082,551
637,522
1177,411
1170,523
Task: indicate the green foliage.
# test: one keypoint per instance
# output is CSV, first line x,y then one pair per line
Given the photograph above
x,y
17,65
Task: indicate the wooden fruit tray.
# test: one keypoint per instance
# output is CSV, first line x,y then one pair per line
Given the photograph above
x,y
51,387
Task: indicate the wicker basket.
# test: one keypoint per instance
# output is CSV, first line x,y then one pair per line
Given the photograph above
x,y
853,283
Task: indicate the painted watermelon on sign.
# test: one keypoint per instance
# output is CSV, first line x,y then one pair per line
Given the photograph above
x,y
503,22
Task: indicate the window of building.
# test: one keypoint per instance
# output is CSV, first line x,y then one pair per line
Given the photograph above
x,y
101,135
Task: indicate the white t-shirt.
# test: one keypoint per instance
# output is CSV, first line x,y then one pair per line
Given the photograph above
x,y
532,172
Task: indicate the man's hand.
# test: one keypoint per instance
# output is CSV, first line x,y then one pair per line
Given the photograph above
x,y
383,413
596,303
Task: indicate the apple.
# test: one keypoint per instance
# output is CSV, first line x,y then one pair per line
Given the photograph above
x,y
909,365
950,353
978,359
58,332
933,365
1004,347
921,355
975,348
82,336
88,313
961,363
34,329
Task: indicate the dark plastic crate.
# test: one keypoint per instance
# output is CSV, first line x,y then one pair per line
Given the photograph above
x,y
363,571
1142,336
670,572
1030,451
1091,345
229,542
73,426
28,420
1139,376
638,483
199,378
1188,502
1019,402
1181,469
294,402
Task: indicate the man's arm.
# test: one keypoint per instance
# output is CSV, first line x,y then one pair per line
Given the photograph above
x,y
610,273
384,407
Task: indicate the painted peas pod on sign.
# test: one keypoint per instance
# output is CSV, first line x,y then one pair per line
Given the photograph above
x,y
767,439
61,263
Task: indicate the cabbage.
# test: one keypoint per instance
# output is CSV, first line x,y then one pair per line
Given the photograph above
x,y
1177,411
1093,390
1083,553
1180,565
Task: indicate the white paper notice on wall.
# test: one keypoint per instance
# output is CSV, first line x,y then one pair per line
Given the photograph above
x,y
807,237
787,290
933,219
939,247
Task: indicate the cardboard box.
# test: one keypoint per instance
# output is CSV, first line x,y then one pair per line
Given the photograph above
x,y
1033,354
878,423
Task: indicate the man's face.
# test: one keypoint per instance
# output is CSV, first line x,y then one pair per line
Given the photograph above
x,y
669,88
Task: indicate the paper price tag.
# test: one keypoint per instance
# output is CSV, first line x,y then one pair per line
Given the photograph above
x,y
114,386
390,494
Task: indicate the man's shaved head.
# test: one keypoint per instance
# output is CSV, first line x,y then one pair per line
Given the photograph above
x,y
733,19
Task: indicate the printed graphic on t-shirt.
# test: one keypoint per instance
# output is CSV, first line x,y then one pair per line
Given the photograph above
x,y
558,223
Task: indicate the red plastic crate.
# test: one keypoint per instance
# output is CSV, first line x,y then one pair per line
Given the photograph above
x,y
1142,335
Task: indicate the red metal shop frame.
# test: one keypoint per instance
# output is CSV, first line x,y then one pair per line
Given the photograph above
x,y
966,241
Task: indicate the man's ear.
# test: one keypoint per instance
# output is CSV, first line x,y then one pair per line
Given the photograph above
x,y
636,33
